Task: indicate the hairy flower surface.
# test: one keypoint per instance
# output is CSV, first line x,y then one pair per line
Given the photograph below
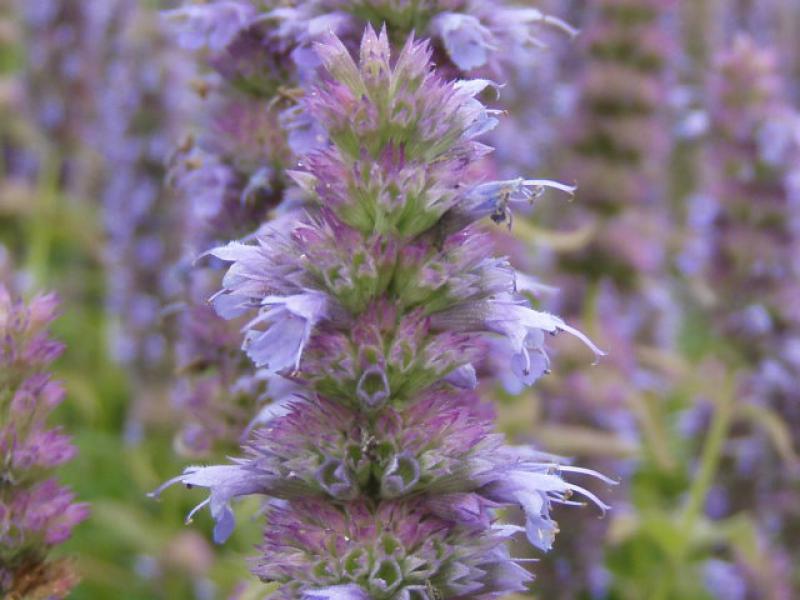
x,y
36,512
382,469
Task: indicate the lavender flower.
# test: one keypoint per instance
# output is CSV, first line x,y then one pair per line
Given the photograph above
x,y
754,234
36,512
620,141
383,475
96,76
67,47
140,98
619,137
257,62
227,177
752,241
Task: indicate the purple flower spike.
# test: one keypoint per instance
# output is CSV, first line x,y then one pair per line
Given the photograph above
x,y
382,473
227,175
142,98
36,512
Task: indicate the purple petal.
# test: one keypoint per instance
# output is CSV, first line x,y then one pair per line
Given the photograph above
x,y
338,592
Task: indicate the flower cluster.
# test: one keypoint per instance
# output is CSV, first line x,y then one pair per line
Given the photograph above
x,y
621,138
36,512
752,233
383,474
754,220
467,34
67,45
258,62
614,278
228,176
140,98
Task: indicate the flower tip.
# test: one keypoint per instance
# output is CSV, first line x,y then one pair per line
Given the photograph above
x,y
561,24
584,471
156,493
598,356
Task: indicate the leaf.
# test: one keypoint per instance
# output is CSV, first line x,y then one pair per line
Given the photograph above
x,y
775,427
560,241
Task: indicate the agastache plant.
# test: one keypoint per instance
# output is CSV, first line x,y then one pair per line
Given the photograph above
x,y
754,224
36,512
140,98
753,234
258,62
66,48
621,139
614,279
228,176
383,475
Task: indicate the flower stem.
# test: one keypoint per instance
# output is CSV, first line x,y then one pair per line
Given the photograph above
x,y
711,455
43,221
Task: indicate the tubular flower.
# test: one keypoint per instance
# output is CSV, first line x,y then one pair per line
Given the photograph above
x,y
383,475
36,512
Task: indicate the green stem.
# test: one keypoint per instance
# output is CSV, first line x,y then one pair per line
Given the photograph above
x,y
590,308
44,220
711,457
